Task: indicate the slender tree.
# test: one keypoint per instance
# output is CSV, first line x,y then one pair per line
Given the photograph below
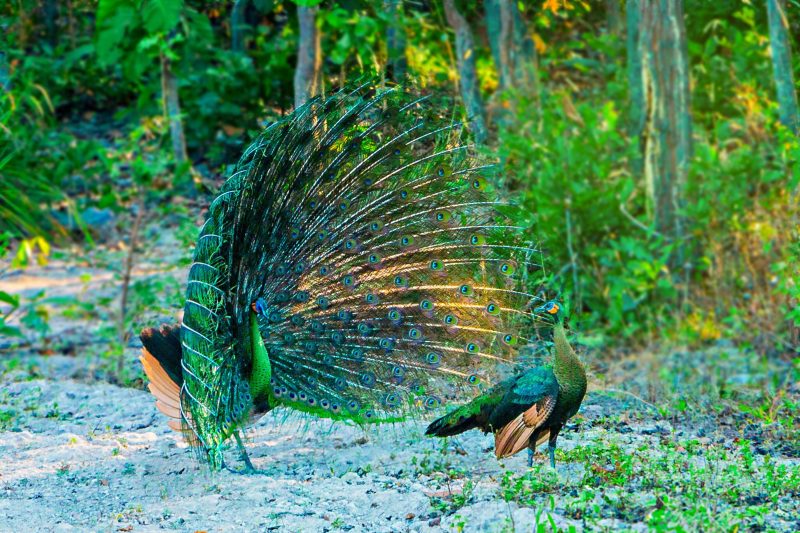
x,y
172,109
50,13
238,25
465,57
491,10
614,17
524,56
308,60
782,64
513,49
397,63
660,89
498,29
635,80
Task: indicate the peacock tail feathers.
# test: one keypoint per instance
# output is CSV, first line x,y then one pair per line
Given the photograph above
x,y
387,275
214,397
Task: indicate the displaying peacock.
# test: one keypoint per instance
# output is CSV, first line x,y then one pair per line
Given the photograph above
x,y
527,409
359,265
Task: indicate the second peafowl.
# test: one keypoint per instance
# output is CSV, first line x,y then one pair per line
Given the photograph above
x,y
358,265
528,409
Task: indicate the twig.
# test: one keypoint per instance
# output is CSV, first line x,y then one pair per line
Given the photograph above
x,y
650,231
126,281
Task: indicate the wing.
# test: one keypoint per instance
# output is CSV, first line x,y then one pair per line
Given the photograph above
x,y
534,397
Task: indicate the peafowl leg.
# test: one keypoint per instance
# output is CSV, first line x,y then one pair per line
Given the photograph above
x,y
248,465
531,451
551,445
243,453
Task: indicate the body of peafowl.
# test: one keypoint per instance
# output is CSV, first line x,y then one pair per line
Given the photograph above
x,y
359,265
528,409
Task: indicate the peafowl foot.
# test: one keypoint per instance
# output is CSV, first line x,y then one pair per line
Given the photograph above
x,y
248,469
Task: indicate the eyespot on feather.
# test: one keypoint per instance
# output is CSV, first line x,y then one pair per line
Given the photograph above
x,y
476,239
507,268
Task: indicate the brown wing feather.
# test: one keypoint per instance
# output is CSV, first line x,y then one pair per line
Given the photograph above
x,y
515,436
166,392
159,379
168,410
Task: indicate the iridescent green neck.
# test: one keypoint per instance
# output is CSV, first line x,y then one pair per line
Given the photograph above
x,y
566,365
261,372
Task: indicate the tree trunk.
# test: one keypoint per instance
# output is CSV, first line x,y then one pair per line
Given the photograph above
x,y
525,58
663,76
172,110
397,64
50,12
614,17
498,29
635,81
465,58
238,25
491,9
305,75
513,49
782,64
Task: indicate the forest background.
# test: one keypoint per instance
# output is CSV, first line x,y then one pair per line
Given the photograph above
x,y
666,203
656,143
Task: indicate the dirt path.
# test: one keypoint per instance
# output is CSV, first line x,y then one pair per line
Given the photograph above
x,y
99,457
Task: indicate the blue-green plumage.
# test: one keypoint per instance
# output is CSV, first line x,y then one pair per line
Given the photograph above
x,y
359,265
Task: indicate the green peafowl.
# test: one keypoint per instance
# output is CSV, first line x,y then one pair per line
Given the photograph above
x,y
356,265
526,410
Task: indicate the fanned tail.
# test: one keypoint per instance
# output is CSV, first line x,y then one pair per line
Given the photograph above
x,y
392,276
389,276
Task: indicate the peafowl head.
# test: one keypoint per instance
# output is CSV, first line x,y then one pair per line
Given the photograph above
x,y
259,307
553,309
567,365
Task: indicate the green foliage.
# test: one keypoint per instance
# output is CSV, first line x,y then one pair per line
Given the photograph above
x,y
569,153
729,56
33,316
10,304
81,126
525,488
358,37
125,25
589,238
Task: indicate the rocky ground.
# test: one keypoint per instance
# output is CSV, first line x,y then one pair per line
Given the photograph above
x,y
84,449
